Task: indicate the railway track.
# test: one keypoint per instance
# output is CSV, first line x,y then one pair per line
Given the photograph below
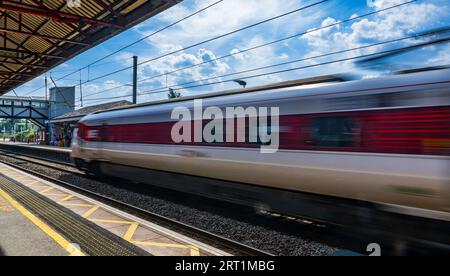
x,y
45,162
73,170
208,237
223,243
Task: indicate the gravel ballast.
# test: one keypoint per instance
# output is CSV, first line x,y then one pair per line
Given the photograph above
x,y
237,223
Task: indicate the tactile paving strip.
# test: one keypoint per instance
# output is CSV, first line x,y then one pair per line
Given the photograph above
x,y
91,239
154,239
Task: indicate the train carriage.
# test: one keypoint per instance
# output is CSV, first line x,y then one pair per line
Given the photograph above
x,y
383,142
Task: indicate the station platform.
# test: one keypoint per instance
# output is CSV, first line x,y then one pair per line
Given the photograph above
x,y
20,237
41,147
40,218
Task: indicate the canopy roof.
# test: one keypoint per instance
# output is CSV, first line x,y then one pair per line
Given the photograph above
x,y
37,35
80,113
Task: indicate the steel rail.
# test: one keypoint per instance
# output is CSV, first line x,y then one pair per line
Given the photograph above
x,y
228,244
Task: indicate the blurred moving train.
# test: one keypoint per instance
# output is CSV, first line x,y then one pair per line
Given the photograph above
x,y
346,147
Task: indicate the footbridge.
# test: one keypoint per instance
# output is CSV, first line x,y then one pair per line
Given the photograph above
x,y
35,109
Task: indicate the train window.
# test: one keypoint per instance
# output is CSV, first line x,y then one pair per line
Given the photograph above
x,y
92,134
364,102
333,132
103,133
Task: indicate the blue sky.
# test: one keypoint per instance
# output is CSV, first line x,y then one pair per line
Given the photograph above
x,y
230,15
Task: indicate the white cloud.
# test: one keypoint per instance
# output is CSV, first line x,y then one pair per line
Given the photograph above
x,y
113,89
234,14
442,57
227,16
284,56
177,61
224,17
388,25
257,58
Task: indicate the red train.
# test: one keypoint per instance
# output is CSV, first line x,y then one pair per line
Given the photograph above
x,y
383,143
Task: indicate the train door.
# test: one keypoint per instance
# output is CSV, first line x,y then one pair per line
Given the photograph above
x,y
335,132
102,140
95,137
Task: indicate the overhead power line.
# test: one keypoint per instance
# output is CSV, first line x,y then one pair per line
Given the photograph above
x,y
202,42
270,43
148,36
109,98
159,31
407,48
235,31
276,72
107,90
210,40
151,92
277,41
134,43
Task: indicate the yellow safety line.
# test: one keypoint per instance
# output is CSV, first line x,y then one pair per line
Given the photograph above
x,y
72,250
111,221
169,245
13,174
90,212
76,205
194,250
46,190
47,195
32,183
21,177
65,199
37,186
130,232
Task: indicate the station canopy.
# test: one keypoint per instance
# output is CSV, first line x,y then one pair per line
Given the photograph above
x,y
38,35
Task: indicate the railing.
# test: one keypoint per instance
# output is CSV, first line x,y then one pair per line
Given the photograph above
x,y
24,103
